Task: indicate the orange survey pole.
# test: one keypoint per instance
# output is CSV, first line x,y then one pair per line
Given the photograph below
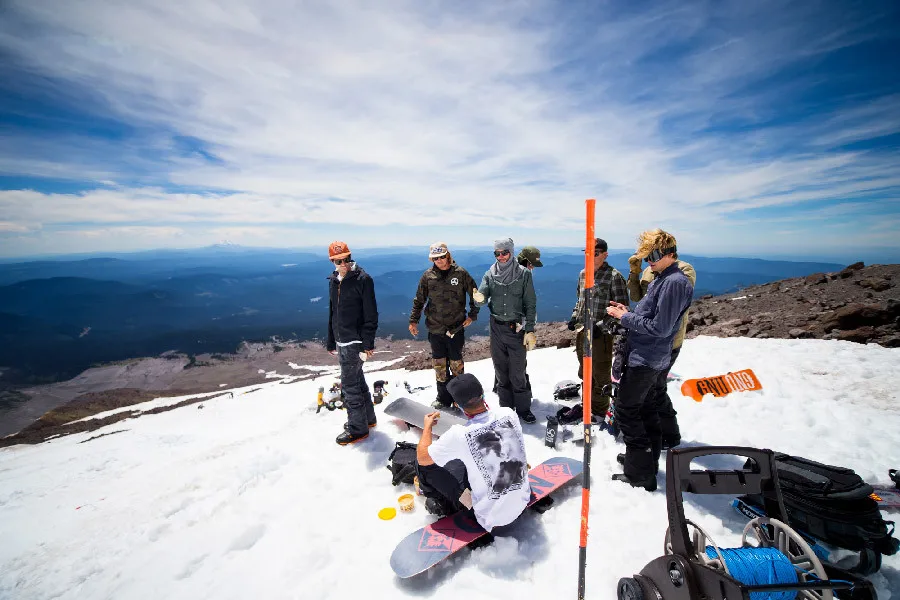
x,y
587,370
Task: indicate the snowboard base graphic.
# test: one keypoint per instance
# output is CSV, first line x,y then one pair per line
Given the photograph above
x,y
721,385
887,497
414,413
422,549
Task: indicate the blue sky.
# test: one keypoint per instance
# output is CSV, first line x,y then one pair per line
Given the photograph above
x,y
745,128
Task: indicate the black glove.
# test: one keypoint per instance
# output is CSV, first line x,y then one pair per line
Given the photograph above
x,y
572,324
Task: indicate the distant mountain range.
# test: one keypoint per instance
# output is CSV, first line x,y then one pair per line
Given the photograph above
x,y
60,316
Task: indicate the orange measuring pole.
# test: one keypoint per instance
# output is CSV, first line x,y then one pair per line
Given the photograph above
x,y
587,370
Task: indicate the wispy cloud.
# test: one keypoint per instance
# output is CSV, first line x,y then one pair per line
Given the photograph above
x,y
265,119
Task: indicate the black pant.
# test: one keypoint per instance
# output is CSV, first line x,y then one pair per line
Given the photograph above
x,y
357,398
508,356
445,484
668,421
444,346
637,418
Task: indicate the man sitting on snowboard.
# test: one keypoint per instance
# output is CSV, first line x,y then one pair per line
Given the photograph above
x,y
480,465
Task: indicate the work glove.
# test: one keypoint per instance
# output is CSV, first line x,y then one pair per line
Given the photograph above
x,y
634,263
530,340
477,296
572,324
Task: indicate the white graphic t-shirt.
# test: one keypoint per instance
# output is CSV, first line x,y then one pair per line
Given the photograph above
x,y
491,447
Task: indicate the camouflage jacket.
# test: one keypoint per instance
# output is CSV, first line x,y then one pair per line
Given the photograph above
x,y
608,285
443,295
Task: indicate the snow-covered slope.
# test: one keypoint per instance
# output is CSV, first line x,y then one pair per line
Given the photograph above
x,y
249,497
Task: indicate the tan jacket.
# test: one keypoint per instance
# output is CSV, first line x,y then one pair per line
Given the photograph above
x,y
637,289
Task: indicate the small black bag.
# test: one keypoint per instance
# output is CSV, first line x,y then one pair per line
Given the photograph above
x,y
402,463
833,504
567,389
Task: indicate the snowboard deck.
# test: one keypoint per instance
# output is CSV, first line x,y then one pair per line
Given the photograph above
x,y
887,496
422,549
721,385
414,413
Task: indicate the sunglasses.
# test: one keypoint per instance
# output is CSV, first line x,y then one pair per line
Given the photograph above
x,y
501,252
437,258
656,255
341,261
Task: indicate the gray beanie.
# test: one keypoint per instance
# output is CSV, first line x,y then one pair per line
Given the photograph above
x,y
505,244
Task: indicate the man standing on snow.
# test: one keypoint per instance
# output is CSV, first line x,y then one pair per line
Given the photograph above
x,y
442,292
508,290
659,396
352,322
490,447
609,285
651,328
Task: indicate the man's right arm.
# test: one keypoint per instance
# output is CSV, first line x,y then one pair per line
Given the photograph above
x,y
484,289
419,301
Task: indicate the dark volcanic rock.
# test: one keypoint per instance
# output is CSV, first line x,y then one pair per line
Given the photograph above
x,y
859,304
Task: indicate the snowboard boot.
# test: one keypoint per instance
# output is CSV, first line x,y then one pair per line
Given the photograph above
x,y
542,505
438,507
347,438
620,458
371,425
648,483
526,416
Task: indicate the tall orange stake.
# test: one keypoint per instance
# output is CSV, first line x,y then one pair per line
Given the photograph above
x,y
586,387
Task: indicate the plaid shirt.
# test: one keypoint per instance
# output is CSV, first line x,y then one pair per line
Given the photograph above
x,y
608,285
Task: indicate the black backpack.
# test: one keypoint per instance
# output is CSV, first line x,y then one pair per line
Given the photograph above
x,y
402,463
833,504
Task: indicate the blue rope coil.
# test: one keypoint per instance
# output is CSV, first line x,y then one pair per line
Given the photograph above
x,y
758,566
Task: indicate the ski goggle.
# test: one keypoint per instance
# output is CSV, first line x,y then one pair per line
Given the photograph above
x,y
499,253
655,255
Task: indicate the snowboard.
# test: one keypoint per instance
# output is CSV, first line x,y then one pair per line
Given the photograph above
x,y
422,549
887,497
414,413
721,385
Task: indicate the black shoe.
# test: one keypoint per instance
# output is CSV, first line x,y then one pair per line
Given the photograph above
x,y
348,438
648,483
542,505
481,542
526,416
438,507
371,425
620,458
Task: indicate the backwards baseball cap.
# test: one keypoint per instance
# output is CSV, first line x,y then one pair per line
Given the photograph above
x,y
532,255
437,249
600,244
338,249
466,391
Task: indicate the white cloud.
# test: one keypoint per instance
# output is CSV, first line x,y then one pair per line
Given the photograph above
x,y
392,115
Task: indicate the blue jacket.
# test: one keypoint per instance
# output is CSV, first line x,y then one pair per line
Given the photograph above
x,y
352,311
655,321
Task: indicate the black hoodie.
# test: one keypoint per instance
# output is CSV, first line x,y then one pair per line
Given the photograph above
x,y
352,311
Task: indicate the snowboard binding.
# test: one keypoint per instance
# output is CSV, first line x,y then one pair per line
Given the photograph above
x,y
694,566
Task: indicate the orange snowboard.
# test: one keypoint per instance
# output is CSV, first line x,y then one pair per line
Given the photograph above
x,y
721,385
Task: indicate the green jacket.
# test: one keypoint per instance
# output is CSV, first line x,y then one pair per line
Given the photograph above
x,y
513,302
637,289
443,295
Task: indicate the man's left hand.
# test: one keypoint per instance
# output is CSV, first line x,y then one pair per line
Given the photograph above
x,y
616,310
369,353
467,322
431,419
529,341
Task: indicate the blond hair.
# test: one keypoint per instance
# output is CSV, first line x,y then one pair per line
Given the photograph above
x,y
654,239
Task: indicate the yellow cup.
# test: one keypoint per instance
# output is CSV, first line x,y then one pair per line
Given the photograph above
x,y
407,502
